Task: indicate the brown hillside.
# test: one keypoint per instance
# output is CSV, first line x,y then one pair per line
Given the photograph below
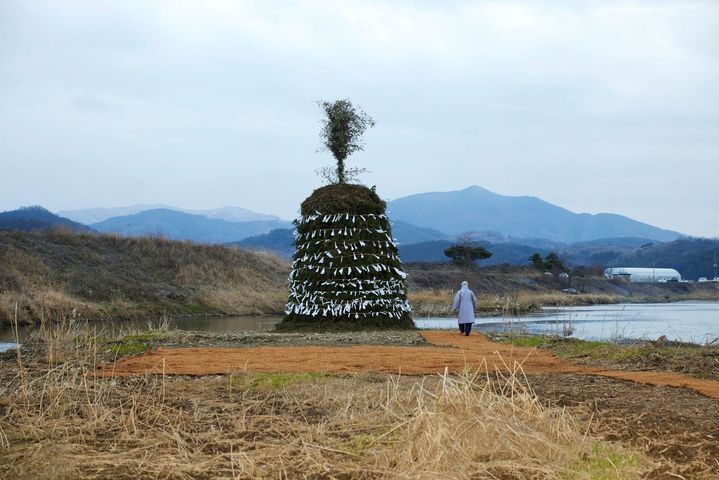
x,y
57,273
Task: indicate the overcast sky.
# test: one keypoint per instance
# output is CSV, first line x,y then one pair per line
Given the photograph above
x,y
594,106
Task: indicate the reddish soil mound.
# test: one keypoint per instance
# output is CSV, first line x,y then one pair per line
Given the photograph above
x,y
450,350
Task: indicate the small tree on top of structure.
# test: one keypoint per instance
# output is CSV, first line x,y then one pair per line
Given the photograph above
x,y
346,271
341,134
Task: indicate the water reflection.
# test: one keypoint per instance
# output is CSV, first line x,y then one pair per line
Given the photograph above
x,y
696,322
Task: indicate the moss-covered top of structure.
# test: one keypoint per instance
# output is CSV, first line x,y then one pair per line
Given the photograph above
x,y
343,198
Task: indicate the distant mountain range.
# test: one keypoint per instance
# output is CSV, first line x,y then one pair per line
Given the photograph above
x,y
178,225
30,219
421,224
433,251
692,257
404,233
478,209
89,216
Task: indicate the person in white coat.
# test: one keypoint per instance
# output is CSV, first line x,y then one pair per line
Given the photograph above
x,y
464,303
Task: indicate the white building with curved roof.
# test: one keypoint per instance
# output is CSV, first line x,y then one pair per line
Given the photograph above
x,y
634,274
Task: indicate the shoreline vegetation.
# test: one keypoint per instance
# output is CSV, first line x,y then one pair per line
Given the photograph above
x,y
60,274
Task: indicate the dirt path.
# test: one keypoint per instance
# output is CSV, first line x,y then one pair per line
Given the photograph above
x,y
449,350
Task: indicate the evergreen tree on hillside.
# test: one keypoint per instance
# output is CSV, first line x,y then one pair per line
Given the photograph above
x,y
550,263
538,262
466,254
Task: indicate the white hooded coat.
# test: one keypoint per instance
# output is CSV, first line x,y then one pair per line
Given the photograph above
x,y
464,303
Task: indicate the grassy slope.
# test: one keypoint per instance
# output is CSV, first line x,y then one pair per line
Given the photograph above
x,y
53,273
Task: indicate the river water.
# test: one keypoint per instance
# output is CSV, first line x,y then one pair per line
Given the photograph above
x,y
692,321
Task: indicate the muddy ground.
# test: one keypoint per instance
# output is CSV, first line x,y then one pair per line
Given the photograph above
x,y
638,404
183,338
442,350
631,355
676,427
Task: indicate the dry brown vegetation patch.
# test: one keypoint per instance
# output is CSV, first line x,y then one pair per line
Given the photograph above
x,y
674,426
63,423
59,420
54,275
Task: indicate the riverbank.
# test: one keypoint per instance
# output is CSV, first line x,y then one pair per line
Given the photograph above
x,y
438,303
511,291
58,419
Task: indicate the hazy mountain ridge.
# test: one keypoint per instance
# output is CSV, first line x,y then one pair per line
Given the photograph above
x,y
478,209
28,219
692,257
89,216
177,225
404,233
501,252
416,219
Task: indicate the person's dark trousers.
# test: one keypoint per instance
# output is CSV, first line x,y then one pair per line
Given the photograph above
x,y
465,328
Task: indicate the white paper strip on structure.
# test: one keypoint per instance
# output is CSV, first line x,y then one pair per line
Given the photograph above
x,y
364,277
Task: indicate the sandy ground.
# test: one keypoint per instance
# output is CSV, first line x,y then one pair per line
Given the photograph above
x,y
448,350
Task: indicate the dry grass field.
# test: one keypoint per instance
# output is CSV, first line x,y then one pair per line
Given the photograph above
x,y
58,421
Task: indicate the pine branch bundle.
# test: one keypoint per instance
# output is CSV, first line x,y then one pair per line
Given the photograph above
x,y
346,266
